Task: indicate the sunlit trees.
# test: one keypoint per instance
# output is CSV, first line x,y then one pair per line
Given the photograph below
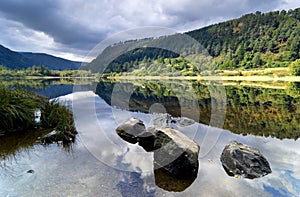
x,y
295,67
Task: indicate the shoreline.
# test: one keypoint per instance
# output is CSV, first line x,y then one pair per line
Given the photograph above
x,y
210,78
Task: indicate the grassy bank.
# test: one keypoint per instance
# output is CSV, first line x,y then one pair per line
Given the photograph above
x,y
275,72
17,114
267,74
42,72
211,78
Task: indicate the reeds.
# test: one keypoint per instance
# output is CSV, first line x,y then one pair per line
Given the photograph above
x,y
17,107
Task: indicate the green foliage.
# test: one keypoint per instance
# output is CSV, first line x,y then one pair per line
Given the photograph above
x,y
17,107
129,60
56,116
244,39
294,89
295,67
41,71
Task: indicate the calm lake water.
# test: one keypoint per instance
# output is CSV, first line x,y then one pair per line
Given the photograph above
x,y
100,163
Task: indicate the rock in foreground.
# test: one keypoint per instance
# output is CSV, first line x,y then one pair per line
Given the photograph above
x,y
241,160
174,152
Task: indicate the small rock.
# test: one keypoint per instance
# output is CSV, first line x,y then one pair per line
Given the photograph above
x,y
167,120
50,138
58,137
30,171
240,160
130,130
184,121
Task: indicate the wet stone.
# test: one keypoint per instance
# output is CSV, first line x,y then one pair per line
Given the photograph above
x,y
131,129
174,153
240,160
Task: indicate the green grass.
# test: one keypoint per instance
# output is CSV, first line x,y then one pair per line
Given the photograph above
x,y
17,107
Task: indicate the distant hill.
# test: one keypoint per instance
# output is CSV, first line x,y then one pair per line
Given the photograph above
x,y
12,59
52,62
257,40
19,60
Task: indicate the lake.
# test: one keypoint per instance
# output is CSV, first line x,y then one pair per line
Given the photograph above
x,y
263,115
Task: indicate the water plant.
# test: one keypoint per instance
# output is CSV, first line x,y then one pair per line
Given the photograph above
x,y
17,113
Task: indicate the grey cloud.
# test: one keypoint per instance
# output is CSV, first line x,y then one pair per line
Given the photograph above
x,y
47,17
211,11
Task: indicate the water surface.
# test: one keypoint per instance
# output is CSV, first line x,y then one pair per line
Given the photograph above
x,y
100,163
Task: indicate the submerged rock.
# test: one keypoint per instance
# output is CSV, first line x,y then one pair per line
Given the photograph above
x,y
240,160
30,171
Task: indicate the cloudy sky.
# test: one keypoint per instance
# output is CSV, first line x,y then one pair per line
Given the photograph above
x,y
71,28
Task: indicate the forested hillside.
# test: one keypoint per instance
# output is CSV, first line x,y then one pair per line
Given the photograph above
x,y
260,40
254,40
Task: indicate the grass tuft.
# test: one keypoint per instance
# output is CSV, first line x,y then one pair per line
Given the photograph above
x,y
17,107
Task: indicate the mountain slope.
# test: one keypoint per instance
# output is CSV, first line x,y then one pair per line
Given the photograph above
x,y
52,62
258,40
12,59
20,60
254,40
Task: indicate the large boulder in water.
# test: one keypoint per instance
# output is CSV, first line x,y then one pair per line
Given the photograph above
x,y
240,160
174,152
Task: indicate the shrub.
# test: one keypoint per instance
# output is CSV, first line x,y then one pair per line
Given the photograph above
x,y
17,109
295,67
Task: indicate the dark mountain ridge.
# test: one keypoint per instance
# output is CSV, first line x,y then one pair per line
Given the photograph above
x,y
20,60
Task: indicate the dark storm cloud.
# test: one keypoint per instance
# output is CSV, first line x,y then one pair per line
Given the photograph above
x,y
212,11
48,17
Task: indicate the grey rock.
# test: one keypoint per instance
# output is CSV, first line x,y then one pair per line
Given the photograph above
x,y
241,160
174,152
57,136
30,171
147,140
50,137
184,121
131,129
168,120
